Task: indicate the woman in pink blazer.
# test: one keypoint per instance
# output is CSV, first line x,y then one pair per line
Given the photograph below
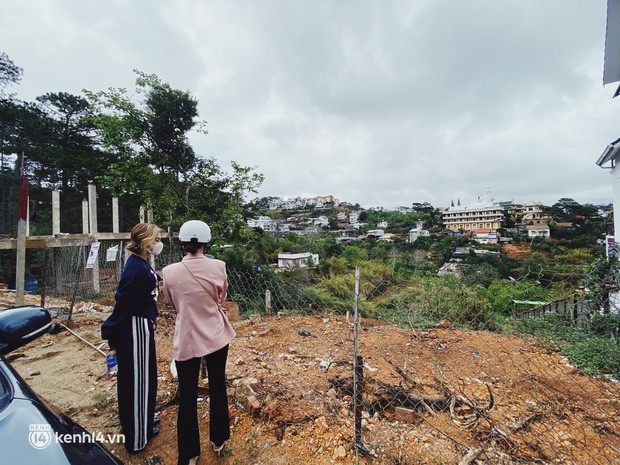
x,y
196,288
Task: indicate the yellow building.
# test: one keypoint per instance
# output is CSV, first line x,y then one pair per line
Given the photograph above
x,y
485,213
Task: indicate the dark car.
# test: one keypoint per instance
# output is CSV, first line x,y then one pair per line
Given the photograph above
x,y
32,431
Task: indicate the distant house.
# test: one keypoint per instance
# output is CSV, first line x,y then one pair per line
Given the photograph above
x,y
348,231
354,217
297,260
532,214
312,230
387,237
486,252
321,199
510,207
322,221
451,268
448,232
291,204
376,233
341,216
263,222
461,252
538,230
486,236
418,231
383,224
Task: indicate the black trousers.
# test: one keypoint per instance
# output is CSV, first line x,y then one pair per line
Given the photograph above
x,y
136,381
188,435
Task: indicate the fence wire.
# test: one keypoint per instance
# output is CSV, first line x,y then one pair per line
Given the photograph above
x,y
440,380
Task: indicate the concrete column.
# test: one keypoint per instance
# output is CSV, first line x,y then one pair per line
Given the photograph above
x,y
55,212
267,302
142,210
92,209
20,266
56,230
92,223
85,229
115,222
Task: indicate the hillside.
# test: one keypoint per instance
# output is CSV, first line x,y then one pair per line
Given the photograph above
x,y
518,251
544,409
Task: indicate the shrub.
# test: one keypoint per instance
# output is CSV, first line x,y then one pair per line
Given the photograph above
x,y
594,354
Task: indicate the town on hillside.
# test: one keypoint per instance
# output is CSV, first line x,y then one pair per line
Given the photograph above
x,y
484,221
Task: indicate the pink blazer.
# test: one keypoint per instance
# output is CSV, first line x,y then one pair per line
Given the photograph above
x,y
200,328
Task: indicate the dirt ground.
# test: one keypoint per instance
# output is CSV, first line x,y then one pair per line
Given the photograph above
x,y
517,251
545,410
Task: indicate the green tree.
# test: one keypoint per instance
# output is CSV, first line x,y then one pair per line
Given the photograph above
x,y
422,207
565,209
354,254
150,137
10,73
158,164
601,276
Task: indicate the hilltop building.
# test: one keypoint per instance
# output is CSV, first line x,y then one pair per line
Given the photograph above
x,y
376,233
511,208
263,222
297,260
486,236
532,214
322,221
321,199
418,231
538,230
485,213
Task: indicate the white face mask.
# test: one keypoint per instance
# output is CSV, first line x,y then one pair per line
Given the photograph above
x,y
156,248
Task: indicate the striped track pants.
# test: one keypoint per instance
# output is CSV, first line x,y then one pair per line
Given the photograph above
x,y
136,382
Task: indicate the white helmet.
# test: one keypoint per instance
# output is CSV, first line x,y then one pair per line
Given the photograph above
x,y
195,230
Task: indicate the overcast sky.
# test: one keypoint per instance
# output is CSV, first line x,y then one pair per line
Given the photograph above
x,y
384,103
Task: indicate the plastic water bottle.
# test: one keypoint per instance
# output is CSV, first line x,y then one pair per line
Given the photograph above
x,y
112,363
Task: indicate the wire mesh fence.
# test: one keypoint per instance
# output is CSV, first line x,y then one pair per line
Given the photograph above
x,y
66,281
445,381
429,375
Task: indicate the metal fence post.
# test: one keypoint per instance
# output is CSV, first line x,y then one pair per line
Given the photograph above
x,y
78,273
358,367
46,265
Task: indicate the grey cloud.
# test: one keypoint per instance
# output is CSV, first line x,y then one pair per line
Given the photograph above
x,y
382,103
